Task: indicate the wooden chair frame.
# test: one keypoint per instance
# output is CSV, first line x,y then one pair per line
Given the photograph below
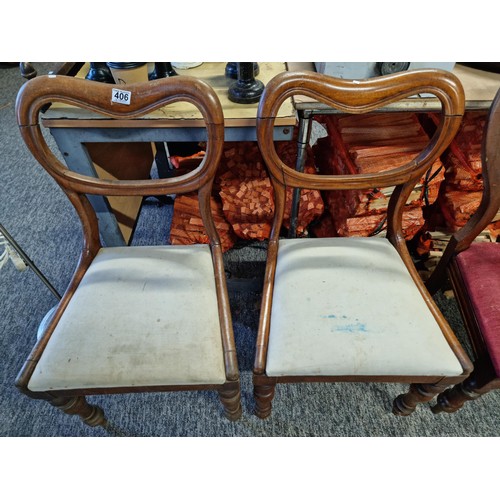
x,y
146,97
356,97
483,378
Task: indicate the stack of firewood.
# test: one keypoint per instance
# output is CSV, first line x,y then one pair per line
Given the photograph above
x,y
187,225
242,197
463,185
311,205
365,144
247,193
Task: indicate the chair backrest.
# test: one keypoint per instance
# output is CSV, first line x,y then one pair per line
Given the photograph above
x,y
145,98
490,170
490,198
351,96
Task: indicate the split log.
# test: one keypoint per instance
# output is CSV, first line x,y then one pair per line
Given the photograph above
x,y
187,225
463,184
463,160
461,190
247,194
367,144
311,204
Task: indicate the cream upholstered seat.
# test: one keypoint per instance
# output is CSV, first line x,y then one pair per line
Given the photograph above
x,y
125,328
133,319
317,329
353,309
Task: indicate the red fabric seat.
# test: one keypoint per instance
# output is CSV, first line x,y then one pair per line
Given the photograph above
x,y
480,269
475,276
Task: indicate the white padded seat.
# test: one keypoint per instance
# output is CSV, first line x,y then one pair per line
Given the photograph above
x,y
318,330
142,316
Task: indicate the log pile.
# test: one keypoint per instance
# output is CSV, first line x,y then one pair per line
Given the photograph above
x,y
247,193
311,205
461,189
242,200
366,144
187,226
463,185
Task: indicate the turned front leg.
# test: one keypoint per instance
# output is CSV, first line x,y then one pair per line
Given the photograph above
x,y
263,394
77,405
231,400
405,404
454,398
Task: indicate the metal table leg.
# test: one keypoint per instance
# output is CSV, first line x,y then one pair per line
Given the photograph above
x,y
304,135
28,261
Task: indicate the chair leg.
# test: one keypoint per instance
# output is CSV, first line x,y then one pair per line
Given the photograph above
x,y
77,405
405,404
231,400
263,394
482,380
454,398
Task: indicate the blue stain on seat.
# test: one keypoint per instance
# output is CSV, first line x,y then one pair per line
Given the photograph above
x,y
352,327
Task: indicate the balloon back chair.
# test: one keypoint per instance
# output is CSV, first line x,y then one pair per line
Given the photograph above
x,y
133,318
473,269
354,309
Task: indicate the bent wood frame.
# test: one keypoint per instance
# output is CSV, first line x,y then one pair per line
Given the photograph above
x,y
490,199
351,96
483,378
146,97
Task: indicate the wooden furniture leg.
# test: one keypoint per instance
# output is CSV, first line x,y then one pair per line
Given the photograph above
x,y
77,405
263,395
231,401
453,399
405,404
479,382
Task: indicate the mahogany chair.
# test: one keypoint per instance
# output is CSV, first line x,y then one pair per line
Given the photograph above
x,y
353,309
474,272
133,318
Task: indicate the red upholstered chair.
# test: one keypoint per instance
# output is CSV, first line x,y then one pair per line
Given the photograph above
x,y
474,271
134,318
354,309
